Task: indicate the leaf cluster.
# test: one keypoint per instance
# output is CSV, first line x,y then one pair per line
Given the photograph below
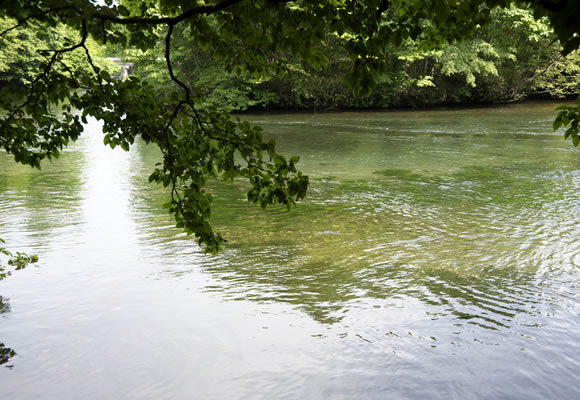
x,y
569,117
16,260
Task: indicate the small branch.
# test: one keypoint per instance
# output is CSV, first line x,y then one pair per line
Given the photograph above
x,y
207,10
196,117
45,73
170,156
69,71
170,67
104,32
94,68
72,48
528,81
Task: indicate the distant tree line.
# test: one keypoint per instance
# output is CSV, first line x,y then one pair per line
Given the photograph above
x,y
514,57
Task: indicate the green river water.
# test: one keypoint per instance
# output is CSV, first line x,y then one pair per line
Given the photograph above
x,y
436,257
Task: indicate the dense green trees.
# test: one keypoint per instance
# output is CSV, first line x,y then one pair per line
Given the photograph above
x,y
252,41
24,50
512,57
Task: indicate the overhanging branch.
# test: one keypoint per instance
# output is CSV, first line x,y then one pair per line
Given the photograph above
x,y
207,10
45,72
170,66
200,10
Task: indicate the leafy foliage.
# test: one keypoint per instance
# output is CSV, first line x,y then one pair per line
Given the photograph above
x,y
16,260
569,117
217,88
512,57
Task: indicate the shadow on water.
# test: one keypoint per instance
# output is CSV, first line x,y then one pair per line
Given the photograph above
x,y
6,353
329,292
471,220
475,245
41,202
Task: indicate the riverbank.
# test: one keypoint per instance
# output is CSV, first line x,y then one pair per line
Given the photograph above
x,y
568,100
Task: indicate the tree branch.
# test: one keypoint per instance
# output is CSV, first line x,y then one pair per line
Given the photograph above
x,y
174,190
170,67
207,10
45,73
528,81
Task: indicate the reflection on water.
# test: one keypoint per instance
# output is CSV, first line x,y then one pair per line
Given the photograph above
x,y
6,353
436,256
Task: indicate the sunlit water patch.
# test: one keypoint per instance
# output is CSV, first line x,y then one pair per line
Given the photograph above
x,y
435,257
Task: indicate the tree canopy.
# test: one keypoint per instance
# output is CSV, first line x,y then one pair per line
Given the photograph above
x,y
62,82
513,57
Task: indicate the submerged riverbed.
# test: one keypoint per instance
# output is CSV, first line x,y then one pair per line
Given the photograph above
x,y
436,256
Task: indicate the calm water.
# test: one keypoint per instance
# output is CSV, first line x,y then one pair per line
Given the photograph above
x,y
437,256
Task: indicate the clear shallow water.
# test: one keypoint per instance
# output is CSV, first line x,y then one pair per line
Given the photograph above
x,y
436,257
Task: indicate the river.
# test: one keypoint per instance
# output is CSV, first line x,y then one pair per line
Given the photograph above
x,y
436,256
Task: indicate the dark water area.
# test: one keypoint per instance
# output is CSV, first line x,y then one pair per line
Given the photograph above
x,y
436,256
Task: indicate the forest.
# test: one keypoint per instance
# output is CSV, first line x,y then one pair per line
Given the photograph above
x,y
514,57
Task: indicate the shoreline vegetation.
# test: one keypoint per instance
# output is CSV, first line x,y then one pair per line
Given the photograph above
x,y
410,108
515,57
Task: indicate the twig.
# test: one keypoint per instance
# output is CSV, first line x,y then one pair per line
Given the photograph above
x,y
45,73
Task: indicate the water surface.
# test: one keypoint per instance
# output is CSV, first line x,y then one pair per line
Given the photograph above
x,y
435,257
